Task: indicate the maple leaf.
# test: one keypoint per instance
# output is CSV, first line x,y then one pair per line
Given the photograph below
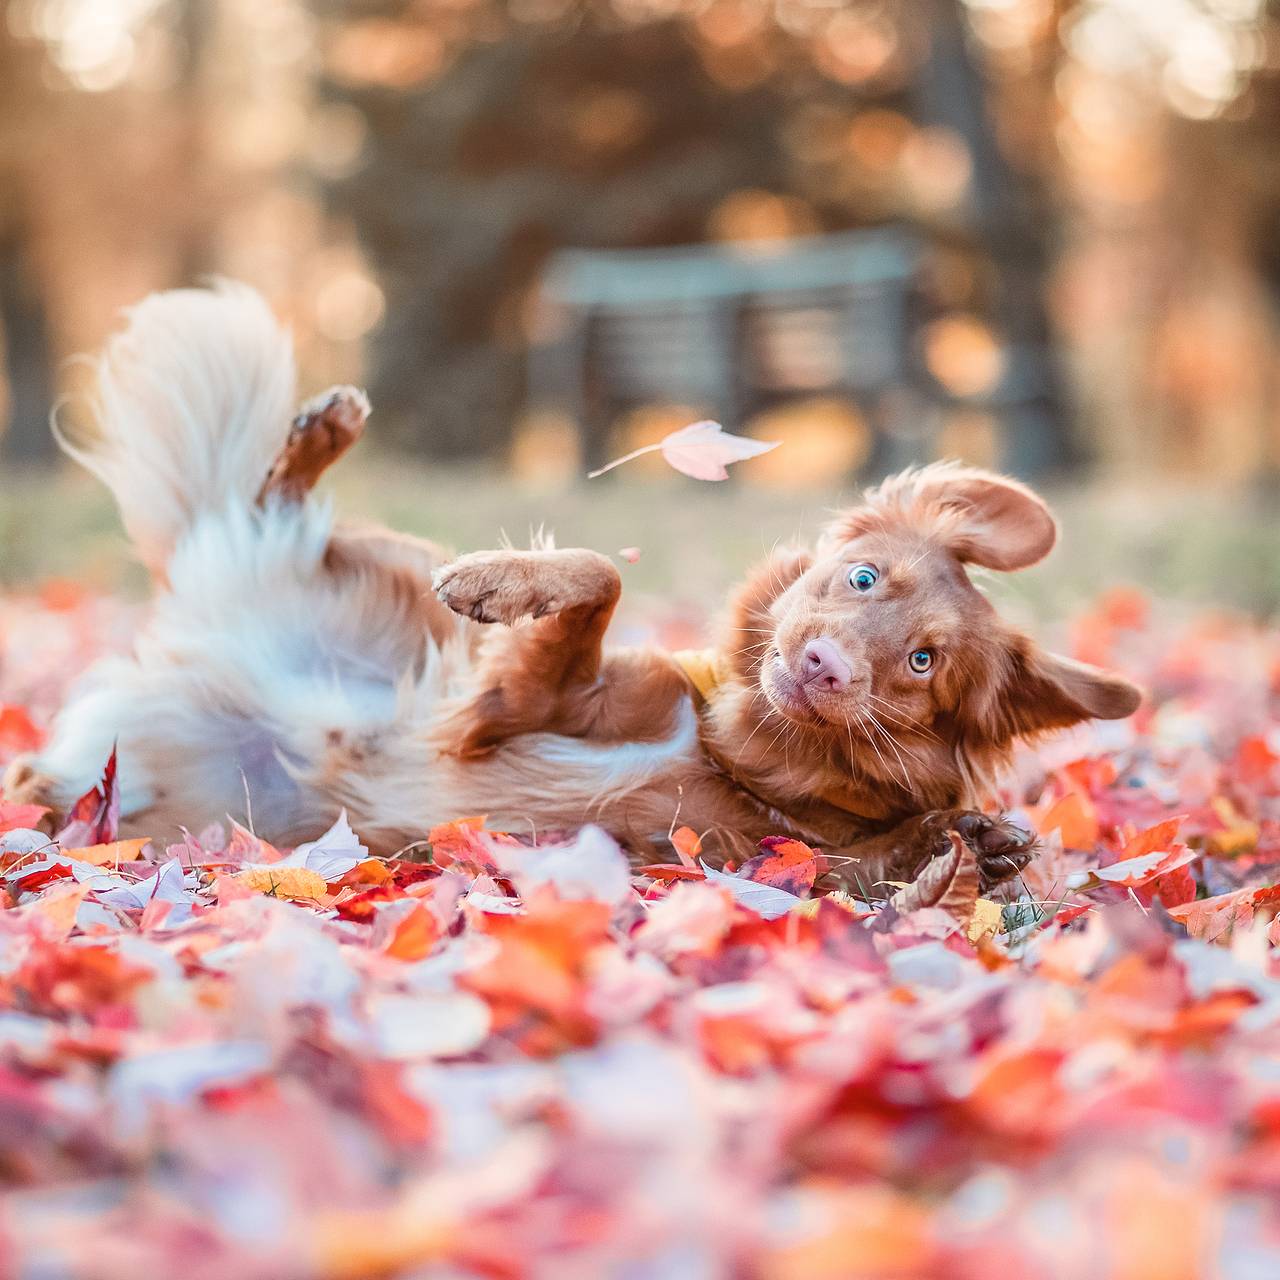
x,y
701,450
949,883
283,882
765,900
1075,817
785,864
111,854
334,854
23,817
95,817
17,731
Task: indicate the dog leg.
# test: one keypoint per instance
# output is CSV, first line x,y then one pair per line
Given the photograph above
x,y
544,675
323,431
1001,849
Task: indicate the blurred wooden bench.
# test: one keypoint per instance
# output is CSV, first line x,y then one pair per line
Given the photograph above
x,y
734,330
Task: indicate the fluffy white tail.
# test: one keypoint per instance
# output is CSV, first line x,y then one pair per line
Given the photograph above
x,y
193,402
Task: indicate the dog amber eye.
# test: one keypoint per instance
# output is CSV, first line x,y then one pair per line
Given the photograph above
x,y
863,577
920,661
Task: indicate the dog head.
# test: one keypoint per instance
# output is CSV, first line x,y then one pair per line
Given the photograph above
x,y
882,624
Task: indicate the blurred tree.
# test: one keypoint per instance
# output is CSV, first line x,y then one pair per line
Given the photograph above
x,y
24,336
499,132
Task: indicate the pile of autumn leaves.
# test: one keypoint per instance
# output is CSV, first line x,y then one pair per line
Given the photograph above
x,y
218,1058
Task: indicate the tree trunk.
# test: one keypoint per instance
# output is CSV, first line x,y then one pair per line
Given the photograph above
x,y
27,438
950,91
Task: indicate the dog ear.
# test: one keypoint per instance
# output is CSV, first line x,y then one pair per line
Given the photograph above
x,y
984,518
998,523
1044,691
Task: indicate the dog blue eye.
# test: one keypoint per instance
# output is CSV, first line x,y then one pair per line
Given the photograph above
x,y
863,577
920,661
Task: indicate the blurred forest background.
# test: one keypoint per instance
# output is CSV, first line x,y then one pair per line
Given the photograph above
x,y
1039,234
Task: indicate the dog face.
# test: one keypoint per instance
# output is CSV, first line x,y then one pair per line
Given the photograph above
x,y
884,624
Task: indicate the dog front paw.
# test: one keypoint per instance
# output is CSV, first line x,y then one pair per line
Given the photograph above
x,y
1002,849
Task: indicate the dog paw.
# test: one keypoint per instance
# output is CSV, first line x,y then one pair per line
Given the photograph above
x,y
325,428
493,586
1001,848
24,784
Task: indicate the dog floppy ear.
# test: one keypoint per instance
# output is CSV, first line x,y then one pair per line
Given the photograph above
x,y
1043,691
984,519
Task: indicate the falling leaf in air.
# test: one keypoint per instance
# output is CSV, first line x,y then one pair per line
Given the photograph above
x,y
701,450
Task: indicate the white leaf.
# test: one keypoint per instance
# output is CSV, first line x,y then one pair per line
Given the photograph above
x,y
592,867
765,900
703,449
332,855
429,1026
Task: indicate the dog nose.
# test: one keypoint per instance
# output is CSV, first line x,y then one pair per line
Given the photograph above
x,y
825,666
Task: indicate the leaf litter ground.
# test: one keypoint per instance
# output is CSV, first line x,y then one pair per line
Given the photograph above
x,y
222,1059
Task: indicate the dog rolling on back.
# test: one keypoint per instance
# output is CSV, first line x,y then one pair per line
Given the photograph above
x,y
861,697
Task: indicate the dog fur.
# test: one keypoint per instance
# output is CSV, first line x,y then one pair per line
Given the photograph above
x,y
294,664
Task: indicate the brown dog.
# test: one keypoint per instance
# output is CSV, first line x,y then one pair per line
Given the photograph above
x,y
861,697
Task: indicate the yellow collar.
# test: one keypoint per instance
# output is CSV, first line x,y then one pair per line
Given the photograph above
x,y
706,669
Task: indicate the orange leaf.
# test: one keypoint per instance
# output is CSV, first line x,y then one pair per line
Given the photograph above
x,y
117,851
784,864
687,844
17,732
1075,816
1211,918
671,871
284,882
459,841
1161,836
415,935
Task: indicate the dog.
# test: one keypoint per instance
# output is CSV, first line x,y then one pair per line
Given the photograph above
x,y
861,698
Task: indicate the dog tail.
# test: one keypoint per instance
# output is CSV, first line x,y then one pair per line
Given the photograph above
x,y
193,402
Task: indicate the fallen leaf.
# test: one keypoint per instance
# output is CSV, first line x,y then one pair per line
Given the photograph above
x,y
949,883
766,901
687,844
986,921
20,816
283,882
95,817
785,864
1076,818
112,854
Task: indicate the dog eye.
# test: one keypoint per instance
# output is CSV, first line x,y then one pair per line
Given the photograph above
x,y
920,661
863,577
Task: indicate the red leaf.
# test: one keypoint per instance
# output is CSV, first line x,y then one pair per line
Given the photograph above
x,y
784,864
95,817
17,731
671,871
13,816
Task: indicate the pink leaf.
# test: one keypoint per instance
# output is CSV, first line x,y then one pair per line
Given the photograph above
x,y
702,450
